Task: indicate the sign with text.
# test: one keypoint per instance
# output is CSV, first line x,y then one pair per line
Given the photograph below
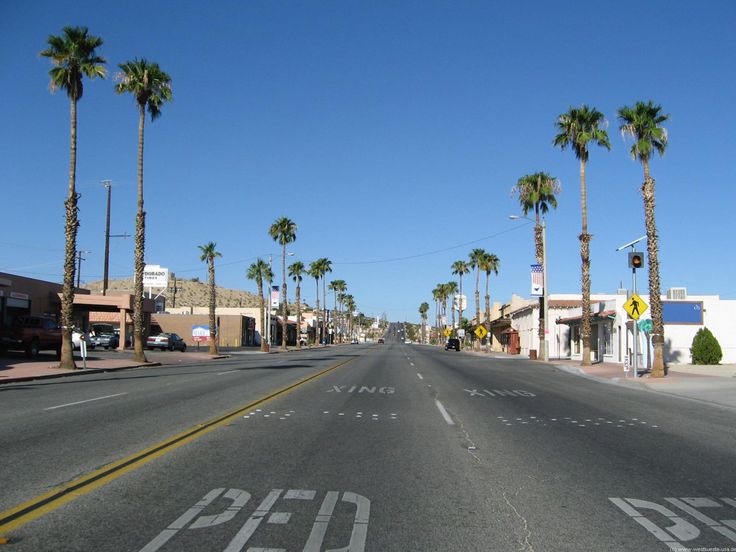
x,y
201,333
155,276
274,297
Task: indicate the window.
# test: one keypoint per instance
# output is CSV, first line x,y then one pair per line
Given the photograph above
x,y
607,343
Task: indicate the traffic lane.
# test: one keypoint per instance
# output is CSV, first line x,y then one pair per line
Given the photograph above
x,y
405,480
53,446
574,468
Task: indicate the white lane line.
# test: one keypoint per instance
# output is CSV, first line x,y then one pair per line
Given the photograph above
x,y
420,376
411,363
228,372
81,402
444,413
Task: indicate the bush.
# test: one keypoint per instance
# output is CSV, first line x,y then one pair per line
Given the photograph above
x,y
705,349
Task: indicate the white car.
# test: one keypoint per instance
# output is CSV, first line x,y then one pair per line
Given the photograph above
x,y
78,336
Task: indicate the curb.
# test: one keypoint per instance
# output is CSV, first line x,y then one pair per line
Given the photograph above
x,y
79,372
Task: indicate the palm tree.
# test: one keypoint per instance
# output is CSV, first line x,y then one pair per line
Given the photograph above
x,y
283,231
325,266
350,307
260,272
315,272
208,255
538,192
73,56
339,287
577,128
459,268
296,269
489,263
151,88
451,288
642,122
437,296
423,309
476,257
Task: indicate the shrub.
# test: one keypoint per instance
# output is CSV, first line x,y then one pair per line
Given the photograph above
x,y
705,349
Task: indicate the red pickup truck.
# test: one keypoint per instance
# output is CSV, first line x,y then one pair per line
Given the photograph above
x,y
31,334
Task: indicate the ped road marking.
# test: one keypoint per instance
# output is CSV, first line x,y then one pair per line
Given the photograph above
x,y
444,413
420,376
85,401
50,501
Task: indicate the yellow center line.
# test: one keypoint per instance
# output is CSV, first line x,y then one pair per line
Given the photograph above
x,y
47,502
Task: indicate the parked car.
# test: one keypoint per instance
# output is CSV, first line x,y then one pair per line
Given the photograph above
x,y
380,340
103,335
78,336
166,341
452,343
353,341
32,334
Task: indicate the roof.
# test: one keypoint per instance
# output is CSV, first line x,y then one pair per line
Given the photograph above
x,y
595,316
553,304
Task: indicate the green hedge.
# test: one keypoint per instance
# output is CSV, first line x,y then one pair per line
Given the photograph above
x,y
705,348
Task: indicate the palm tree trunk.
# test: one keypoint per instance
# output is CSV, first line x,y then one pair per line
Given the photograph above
x,y
476,345
284,325
213,305
539,250
66,360
317,327
140,246
658,369
585,269
460,303
324,308
298,316
488,310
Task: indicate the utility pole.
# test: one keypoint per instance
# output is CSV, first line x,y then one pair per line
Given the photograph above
x,y
108,186
79,266
174,290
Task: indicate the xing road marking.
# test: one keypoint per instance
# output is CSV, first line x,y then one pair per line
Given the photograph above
x,y
85,401
499,393
194,518
50,501
444,413
361,389
680,529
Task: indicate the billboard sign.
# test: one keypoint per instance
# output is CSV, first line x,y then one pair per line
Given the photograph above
x,y
155,276
200,333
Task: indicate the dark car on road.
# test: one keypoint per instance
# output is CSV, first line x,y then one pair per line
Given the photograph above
x,y
452,343
166,341
380,340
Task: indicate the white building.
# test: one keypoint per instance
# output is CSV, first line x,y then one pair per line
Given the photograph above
x,y
612,330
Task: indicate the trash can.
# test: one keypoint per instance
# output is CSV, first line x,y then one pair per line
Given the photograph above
x,y
533,354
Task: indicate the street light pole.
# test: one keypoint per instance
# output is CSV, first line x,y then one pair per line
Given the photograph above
x,y
108,187
545,352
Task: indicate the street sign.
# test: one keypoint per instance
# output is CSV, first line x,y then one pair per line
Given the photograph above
x,y
481,332
448,332
461,333
645,325
460,302
155,276
635,306
200,333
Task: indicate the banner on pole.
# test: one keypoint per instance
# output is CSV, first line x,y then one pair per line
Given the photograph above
x,y
274,297
537,280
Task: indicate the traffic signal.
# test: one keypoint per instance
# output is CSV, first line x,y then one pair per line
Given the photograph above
x,y
636,260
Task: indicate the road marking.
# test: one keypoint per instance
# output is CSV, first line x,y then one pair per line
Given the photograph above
x,y
444,413
370,390
86,401
227,372
50,501
419,376
500,393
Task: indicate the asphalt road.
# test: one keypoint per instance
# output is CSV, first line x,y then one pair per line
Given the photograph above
x,y
398,448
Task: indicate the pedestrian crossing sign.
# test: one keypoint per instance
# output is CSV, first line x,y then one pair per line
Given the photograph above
x,y
635,306
481,332
448,332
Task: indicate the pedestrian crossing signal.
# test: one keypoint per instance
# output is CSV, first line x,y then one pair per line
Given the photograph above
x,y
636,260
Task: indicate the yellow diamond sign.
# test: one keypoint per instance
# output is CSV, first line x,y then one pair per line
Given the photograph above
x,y
448,332
481,332
635,306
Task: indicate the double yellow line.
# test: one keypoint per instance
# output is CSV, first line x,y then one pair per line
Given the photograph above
x,y
45,503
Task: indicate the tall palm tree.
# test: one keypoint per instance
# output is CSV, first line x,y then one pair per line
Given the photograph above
x,y
73,56
437,296
451,289
296,270
538,192
423,309
643,123
151,88
489,263
339,287
325,266
350,307
283,231
315,272
476,257
209,252
459,268
260,272
577,128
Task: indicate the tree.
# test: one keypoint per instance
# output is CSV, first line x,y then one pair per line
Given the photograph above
x,y
296,270
705,348
151,88
339,287
260,272
74,56
643,123
208,255
423,310
350,308
451,289
325,266
283,231
538,192
437,296
578,128
489,263
459,268
476,258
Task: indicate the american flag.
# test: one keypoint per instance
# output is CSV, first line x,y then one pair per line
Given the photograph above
x,y
537,280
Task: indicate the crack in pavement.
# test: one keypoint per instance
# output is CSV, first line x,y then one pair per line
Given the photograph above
x,y
525,544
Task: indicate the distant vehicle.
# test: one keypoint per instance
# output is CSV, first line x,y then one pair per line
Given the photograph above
x,y
78,336
408,341
380,340
452,343
354,341
103,335
32,334
166,341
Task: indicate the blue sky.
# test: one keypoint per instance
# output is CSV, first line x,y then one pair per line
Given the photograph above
x,y
385,130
